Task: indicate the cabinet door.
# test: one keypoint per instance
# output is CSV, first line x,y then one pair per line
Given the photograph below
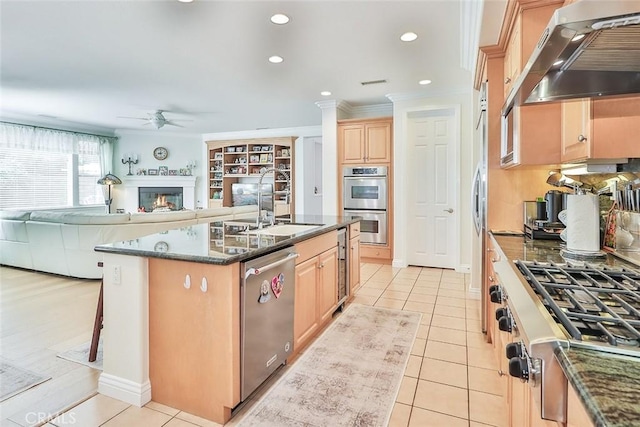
x,y
352,143
328,284
576,413
518,397
354,264
378,143
576,130
512,58
305,320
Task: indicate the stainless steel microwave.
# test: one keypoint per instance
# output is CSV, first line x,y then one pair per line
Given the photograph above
x,y
509,144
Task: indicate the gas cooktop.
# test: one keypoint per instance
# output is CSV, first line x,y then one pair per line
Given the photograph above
x,y
592,303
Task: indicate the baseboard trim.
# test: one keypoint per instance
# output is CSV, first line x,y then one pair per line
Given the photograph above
x,y
399,263
463,268
138,394
474,293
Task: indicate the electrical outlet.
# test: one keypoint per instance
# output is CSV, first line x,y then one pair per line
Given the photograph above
x,y
116,274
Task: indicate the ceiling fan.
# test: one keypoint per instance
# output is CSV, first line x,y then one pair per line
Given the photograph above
x,y
157,119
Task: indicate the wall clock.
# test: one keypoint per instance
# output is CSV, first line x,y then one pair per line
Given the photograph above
x,y
161,247
160,153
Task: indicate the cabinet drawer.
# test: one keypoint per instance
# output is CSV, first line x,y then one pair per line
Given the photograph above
x,y
375,252
354,230
312,247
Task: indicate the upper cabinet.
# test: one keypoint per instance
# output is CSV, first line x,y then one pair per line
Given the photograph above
x,y
364,141
513,57
605,128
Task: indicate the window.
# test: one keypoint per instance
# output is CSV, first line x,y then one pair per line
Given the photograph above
x,y
44,168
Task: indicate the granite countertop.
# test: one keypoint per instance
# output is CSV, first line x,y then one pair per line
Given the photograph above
x,y
223,242
608,384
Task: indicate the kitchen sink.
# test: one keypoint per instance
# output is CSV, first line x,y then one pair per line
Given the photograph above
x,y
284,229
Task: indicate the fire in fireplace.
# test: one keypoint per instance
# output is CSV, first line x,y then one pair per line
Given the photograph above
x,y
159,199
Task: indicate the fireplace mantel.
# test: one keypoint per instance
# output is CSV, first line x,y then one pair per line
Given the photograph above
x,y
131,185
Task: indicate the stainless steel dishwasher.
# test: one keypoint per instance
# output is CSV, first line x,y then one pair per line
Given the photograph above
x,y
267,297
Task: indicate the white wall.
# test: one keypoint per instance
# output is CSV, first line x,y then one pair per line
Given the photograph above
x,y
182,149
401,108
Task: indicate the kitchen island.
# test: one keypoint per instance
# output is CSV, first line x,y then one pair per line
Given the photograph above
x,y
603,385
172,307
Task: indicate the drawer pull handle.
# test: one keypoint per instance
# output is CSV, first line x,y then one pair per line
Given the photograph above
x,y
187,282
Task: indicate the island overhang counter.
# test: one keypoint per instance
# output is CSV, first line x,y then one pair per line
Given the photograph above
x,y
172,308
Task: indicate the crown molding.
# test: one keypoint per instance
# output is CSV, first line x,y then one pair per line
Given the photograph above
x,y
303,131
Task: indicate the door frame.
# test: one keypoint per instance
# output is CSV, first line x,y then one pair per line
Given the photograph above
x,y
401,201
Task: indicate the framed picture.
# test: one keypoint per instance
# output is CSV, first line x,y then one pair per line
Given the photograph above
x,y
173,172
183,171
163,170
152,171
254,158
264,158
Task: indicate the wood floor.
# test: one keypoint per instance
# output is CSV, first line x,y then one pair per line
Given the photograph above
x,y
42,315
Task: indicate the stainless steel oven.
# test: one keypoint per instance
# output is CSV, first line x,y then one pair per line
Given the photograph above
x,y
373,225
365,195
365,188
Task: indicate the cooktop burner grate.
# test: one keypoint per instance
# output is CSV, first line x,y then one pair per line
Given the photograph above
x,y
592,302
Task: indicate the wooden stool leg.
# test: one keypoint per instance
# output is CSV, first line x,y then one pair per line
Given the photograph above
x,y
97,326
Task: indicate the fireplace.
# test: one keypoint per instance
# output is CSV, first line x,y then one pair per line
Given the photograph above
x,y
160,198
131,201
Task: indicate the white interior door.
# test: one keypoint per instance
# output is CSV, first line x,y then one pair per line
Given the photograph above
x,y
432,188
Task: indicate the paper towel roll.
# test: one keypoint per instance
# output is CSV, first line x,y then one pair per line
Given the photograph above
x,y
583,222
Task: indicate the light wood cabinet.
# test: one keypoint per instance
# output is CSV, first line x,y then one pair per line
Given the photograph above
x,y
316,295
513,57
305,322
354,258
576,413
327,284
604,128
364,141
187,327
316,287
242,161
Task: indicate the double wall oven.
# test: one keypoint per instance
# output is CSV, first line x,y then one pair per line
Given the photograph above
x,y
365,195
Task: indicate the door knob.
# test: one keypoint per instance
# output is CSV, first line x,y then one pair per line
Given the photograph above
x,y
448,210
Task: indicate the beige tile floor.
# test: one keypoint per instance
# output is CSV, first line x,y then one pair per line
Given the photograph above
x,y
451,377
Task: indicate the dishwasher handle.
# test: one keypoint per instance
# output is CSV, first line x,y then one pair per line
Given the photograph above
x,y
257,271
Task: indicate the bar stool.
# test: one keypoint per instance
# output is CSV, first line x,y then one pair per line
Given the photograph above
x,y
97,324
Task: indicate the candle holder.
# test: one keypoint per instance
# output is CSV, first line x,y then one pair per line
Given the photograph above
x,y
130,161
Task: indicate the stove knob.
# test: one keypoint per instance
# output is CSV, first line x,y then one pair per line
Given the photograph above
x,y
513,350
502,311
495,294
519,368
505,324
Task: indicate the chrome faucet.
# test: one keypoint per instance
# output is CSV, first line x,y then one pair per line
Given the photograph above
x,y
260,220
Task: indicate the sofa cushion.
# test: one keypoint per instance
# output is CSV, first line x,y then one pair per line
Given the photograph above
x,y
141,217
206,213
79,217
15,215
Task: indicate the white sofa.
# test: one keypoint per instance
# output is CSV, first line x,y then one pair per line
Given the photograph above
x,y
63,242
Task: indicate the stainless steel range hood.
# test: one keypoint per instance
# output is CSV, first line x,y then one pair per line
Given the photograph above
x,y
589,48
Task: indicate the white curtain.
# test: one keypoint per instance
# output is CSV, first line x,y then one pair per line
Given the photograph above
x,y
44,139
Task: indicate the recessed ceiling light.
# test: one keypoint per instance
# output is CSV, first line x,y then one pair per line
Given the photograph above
x,y
185,1
578,37
280,19
408,37
424,82
275,59
325,93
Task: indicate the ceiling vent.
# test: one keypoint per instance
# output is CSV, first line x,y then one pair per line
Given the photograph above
x,y
373,82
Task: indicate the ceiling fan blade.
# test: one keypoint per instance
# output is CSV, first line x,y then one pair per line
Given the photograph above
x,y
135,118
173,124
